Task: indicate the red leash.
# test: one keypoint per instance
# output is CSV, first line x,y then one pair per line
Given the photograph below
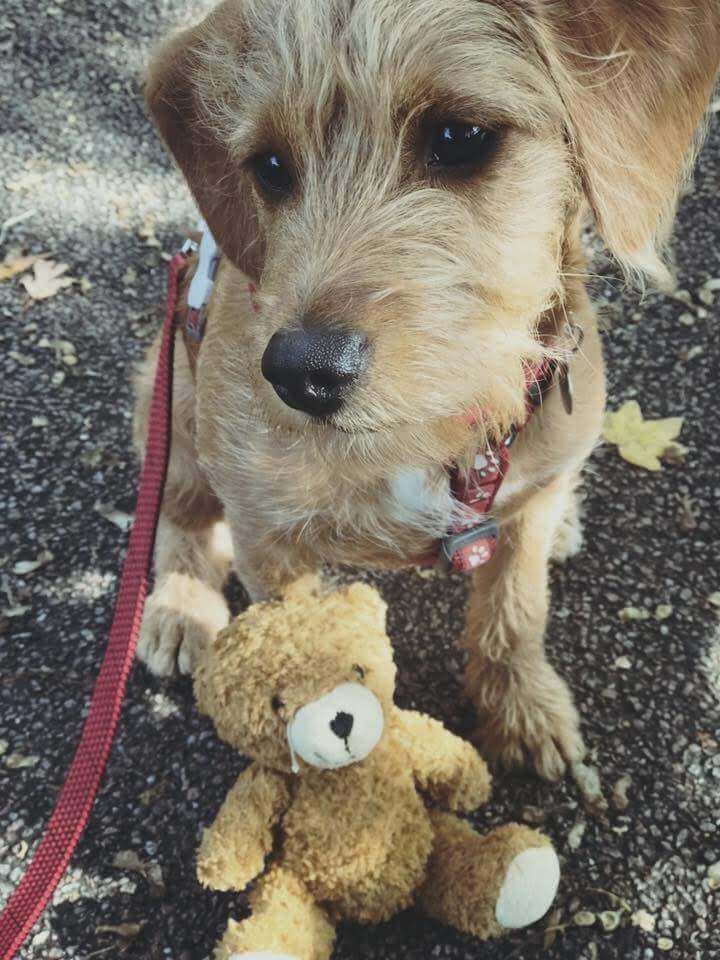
x,y
78,793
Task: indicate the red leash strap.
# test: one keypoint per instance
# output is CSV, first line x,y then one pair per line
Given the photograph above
x,y
81,783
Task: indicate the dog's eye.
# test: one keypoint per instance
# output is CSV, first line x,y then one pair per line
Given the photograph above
x,y
277,704
272,175
359,671
459,144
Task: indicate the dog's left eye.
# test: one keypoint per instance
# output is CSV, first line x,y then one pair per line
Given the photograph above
x,y
458,144
272,175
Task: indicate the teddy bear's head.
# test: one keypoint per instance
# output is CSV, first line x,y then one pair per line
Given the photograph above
x,y
306,680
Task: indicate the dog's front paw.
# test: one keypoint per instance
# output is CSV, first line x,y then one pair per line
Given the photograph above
x,y
181,616
529,721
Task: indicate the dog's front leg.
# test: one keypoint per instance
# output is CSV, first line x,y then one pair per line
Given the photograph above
x,y
525,710
192,548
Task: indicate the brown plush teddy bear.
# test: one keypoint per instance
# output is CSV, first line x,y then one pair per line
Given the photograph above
x,y
346,797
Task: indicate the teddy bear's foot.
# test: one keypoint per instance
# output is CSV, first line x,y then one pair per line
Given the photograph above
x,y
286,924
485,885
530,885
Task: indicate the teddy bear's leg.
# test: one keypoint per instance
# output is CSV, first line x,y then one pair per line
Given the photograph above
x,y
285,924
485,885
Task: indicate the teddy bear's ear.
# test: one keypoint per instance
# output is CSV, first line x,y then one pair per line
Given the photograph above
x,y
366,599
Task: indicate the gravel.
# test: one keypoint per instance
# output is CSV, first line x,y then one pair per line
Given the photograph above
x,y
641,861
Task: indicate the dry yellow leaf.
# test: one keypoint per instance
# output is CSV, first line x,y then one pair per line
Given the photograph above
x,y
13,265
639,441
47,279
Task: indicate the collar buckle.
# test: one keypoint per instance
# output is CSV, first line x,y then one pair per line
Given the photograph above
x,y
468,549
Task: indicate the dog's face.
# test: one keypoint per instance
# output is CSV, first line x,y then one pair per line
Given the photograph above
x,y
403,178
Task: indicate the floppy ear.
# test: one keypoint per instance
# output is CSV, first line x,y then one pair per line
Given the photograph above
x,y
176,95
635,78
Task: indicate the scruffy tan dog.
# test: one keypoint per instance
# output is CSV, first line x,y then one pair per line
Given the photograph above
x,y
348,810
403,181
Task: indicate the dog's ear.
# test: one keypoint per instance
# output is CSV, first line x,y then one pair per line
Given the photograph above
x,y
176,93
635,78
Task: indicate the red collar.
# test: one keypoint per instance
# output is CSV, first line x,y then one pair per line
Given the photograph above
x,y
471,542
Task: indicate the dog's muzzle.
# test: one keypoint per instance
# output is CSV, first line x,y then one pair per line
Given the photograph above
x,y
340,728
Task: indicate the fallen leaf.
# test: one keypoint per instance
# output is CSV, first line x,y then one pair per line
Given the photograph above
x,y
129,860
663,611
147,233
706,740
12,265
125,930
675,453
23,567
639,441
23,359
111,513
551,928
15,611
633,613
17,761
47,279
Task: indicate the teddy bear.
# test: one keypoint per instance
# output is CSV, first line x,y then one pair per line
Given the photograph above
x,y
349,807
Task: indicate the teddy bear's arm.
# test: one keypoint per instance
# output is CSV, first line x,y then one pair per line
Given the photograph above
x,y
449,770
233,849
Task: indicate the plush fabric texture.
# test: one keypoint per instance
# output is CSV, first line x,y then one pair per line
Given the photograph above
x,y
356,843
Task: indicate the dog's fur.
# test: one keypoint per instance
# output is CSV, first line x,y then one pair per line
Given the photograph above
x,y
455,283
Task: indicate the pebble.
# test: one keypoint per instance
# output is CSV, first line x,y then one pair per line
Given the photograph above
x,y
634,613
588,782
576,834
644,920
610,920
620,789
584,918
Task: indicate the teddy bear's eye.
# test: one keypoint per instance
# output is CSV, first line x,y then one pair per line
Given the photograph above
x,y
359,671
277,703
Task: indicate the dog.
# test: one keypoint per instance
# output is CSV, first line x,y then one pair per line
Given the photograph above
x,y
398,189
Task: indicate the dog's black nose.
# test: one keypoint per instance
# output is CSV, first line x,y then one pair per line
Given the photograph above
x,y
312,370
342,725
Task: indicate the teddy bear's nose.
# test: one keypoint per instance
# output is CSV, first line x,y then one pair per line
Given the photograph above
x,y
342,725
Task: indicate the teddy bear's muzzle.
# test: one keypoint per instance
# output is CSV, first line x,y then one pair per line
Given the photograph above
x,y
340,728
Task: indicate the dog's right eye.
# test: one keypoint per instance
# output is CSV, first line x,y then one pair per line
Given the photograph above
x,y
273,177
459,145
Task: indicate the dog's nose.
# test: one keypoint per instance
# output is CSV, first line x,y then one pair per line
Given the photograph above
x,y
312,370
342,725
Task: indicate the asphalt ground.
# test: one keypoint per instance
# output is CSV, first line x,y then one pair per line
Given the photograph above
x,y
79,158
